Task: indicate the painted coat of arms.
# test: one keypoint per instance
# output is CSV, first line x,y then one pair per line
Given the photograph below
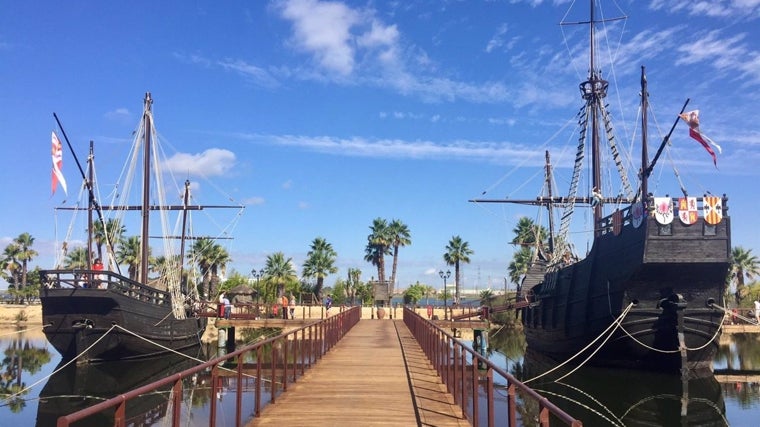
x,y
663,210
687,210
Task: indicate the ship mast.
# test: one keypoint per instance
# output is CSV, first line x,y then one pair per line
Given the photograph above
x,y
593,91
147,126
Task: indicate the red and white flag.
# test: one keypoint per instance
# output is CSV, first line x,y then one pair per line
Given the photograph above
x,y
57,175
692,118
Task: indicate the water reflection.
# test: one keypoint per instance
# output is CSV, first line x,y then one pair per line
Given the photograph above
x,y
76,387
20,355
617,397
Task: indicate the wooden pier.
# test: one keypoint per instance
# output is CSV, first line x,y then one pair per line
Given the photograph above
x,y
376,375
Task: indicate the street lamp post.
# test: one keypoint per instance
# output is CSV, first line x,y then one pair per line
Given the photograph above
x,y
257,275
445,276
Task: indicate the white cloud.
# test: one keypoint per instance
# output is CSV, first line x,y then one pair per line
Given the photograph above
x,y
324,30
212,162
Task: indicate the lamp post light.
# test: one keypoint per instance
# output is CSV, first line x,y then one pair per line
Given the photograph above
x,y
445,276
257,275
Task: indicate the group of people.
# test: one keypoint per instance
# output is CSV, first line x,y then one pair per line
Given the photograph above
x,y
288,306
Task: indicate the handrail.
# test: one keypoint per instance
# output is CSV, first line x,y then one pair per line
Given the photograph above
x,y
308,344
450,358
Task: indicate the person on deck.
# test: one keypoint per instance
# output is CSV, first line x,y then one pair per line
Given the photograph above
x,y
328,304
284,302
97,265
227,307
757,311
292,306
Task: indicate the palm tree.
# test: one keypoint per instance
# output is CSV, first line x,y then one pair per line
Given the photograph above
x,y
129,253
400,236
743,265
26,254
378,245
519,265
279,271
457,251
210,258
201,253
353,282
10,262
219,260
115,233
319,263
76,259
527,233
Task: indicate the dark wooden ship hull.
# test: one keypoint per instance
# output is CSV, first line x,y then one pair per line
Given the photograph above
x,y
672,274
77,386
79,313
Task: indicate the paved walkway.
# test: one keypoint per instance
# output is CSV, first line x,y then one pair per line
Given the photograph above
x,y
376,375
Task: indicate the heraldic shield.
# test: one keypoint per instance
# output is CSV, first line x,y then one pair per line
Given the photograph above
x,y
663,210
637,214
687,210
712,209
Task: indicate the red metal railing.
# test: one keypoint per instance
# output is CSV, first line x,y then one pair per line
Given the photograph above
x,y
462,378
307,344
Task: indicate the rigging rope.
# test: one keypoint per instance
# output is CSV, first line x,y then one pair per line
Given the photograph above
x,y
614,323
18,393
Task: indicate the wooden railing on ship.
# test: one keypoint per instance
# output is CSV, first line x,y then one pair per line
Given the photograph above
x,y
308,343
463,370
103,279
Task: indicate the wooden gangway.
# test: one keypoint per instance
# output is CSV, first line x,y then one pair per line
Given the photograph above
x,y
377,375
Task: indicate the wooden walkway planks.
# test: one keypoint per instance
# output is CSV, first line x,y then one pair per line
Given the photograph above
x,y
367,380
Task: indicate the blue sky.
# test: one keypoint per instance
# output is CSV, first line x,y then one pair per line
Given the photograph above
x,y
321,116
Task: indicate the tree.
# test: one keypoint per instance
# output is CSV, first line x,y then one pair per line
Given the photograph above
x,y
25,254
201,253
528,233
400,236
76,259
519,265
743,265
280,272
353,283
457,252
378,246
319,263
129,253
10,262
115,233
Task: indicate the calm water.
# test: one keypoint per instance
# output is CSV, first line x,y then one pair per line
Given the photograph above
x,y
598,397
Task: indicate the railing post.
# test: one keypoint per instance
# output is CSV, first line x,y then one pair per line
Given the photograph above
x,y
177,403
214,388
239,390
259,360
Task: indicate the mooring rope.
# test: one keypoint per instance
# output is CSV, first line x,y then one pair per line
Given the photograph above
x,y
21,331
182,354
5,400
614,323
614,422
715,335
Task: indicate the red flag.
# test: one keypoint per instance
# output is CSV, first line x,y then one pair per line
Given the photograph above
x,y
692,118
57,155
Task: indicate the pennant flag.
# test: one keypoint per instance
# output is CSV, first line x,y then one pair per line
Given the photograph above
x,y
692,119
57,175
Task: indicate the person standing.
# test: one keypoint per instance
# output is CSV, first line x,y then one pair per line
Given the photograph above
x,y
284,306
227,307
328,304
292,307
97,265
757,311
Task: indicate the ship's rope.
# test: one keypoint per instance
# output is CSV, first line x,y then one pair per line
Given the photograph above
x,y
171,350
21,331
714,337
615,422
18,393
615,324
